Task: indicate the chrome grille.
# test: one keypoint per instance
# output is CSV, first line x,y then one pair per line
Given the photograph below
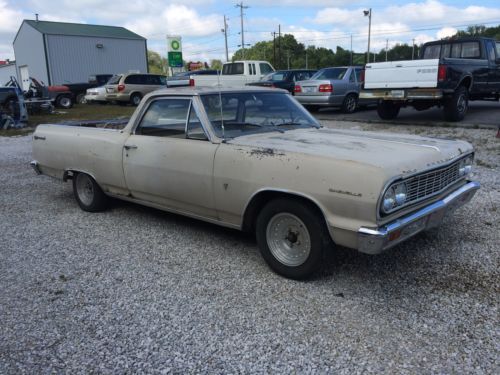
x,y
430,183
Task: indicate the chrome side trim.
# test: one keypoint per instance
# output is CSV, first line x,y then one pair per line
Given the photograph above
x,y
36,168
376,240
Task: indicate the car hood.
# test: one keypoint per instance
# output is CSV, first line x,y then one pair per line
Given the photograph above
x,y
397,154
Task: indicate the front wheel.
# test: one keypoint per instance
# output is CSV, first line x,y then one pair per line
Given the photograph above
x,y
64,101
387,110
291,236
88,193
455,107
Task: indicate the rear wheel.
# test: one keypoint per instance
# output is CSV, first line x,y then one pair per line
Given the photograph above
x,y
135,99
291,236
350,103
88,193
456,106
387,110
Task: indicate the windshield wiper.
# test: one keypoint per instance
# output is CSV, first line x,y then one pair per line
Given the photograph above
x,y
291,123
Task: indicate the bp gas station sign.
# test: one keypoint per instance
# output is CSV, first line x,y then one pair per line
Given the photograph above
x,y
174,48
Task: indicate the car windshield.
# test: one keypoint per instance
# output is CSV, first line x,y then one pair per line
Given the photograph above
x,y
330,73
242,113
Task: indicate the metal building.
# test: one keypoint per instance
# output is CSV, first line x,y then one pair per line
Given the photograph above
x,y
59,52
7,70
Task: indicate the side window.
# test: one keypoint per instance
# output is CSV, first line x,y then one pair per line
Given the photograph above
x,y
490,50
456,50
165,118
432,52
445,50
358,75
265,68
132,79
194,127
351,77
498,49
470,50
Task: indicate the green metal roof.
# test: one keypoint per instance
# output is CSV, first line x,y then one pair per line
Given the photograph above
x,y
80,29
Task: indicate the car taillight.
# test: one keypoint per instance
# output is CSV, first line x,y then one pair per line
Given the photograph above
x,y
121,87
442,73
191,82
297,88
362,76
325,88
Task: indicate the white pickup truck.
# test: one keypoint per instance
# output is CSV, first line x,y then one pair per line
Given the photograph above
x,y
235,74
450,73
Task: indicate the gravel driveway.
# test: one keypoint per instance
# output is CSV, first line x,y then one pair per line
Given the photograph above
x,y
137,290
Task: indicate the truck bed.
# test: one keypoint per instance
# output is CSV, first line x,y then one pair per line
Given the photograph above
x,y
402,74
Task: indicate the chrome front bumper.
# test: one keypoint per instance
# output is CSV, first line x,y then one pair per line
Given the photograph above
x,y
374,241
402,94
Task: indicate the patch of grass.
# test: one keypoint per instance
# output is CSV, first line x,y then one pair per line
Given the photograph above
x,y
82,112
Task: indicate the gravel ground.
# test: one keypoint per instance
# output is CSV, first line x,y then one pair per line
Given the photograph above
x,y
138,290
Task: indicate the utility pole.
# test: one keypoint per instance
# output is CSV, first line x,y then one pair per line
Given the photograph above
x,y
307,64
224,30
351,51
279,46
241,6
274,48
368,13
386,48
413,49
288,59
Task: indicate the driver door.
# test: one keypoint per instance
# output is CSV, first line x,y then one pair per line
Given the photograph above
x,y
168,160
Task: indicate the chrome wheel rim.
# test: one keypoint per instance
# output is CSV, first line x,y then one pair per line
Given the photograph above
x,y
461,104
288,239
85,189
351,103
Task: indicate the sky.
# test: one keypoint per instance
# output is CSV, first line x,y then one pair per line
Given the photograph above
x,y
322,23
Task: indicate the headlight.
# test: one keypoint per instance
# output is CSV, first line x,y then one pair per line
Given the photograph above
x,y
394,197
465,166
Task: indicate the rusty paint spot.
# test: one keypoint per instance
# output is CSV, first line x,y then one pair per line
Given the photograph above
x,y
345,192
265,152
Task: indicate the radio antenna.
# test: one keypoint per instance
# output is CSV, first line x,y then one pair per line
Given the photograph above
x,y
221,110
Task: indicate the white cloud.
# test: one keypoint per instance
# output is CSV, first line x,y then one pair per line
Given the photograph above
x,y
446,32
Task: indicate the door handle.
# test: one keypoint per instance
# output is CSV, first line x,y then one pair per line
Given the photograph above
x,y
130,147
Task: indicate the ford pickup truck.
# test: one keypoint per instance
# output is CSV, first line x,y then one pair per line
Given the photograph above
x,y
254,159
234,74
449,74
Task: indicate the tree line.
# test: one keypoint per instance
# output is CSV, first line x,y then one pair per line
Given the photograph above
x,y
285,52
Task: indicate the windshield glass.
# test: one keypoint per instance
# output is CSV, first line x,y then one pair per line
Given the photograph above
x,y
330,73
244,113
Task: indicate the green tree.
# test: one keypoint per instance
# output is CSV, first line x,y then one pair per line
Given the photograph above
x,y
216,64
156,63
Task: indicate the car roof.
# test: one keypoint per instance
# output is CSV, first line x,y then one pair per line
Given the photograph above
x,y
205,90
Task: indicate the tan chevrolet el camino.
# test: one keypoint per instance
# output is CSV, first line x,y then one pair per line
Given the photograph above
x,y
256,160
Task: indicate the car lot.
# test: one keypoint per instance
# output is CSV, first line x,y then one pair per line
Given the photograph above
x,y
138,290
481,113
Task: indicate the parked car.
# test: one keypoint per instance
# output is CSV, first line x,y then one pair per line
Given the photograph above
x,y
186,78
237,73
331,87
450,73
254,159
131,87
96,95
284,79
79,89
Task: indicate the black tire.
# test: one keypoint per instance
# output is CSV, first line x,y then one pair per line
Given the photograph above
x,y
388,110
64,101
80,99
135,99
312,108
88,193
11,108
305,229
456,106
350,103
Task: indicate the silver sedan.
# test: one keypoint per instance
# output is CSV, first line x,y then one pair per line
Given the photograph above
x,y
331,87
